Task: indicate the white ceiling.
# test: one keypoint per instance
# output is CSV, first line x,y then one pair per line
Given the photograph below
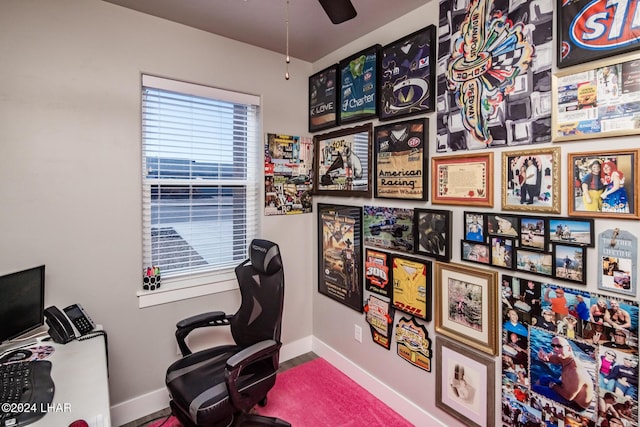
x,y
262,23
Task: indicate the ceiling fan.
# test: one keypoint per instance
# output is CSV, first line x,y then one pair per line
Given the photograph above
x,y
338,10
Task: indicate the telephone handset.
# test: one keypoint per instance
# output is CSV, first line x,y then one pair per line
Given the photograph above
x,y
62,325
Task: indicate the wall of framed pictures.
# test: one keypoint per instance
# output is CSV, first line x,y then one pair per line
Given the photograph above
x,y
487,200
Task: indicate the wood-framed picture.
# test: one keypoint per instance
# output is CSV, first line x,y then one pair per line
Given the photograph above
x,y
407,75
465,301
401,154
465,384
597,100
389,228
475,252
323,99
377,272
571,231
340,254
534,262
531,180
502,225
502,251
585,36
569,263
412,280
433,233
343,165
475,227
603,184
462,180
533,233
358,86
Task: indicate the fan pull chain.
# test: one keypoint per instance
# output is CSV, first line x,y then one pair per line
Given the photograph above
x,y
287,59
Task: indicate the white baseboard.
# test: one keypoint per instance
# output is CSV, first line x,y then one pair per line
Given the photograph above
x,y
157,400
409,410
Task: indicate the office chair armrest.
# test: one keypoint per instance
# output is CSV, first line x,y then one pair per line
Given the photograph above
x,y
203,320
241,360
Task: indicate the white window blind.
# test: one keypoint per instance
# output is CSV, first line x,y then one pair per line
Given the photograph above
x,y
200,178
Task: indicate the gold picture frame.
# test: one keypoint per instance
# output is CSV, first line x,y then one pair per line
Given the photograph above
x,y
462,180
466,305
544,194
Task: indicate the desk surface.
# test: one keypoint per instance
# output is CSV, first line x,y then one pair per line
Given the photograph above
x,y
79,372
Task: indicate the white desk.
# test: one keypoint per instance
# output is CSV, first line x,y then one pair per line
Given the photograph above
x,y
79,371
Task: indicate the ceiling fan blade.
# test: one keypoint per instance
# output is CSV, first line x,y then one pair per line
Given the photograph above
x,y
338,10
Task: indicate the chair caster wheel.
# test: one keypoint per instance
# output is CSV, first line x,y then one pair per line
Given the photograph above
x,y
263,402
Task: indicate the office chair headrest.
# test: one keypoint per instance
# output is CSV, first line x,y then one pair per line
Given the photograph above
x,y
265,256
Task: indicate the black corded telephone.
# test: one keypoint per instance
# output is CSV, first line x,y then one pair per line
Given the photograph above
x,y
62,325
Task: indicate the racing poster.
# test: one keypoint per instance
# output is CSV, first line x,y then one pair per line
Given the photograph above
x,y
494,73
377,272
590,30
379,314
414,344
340,254
288,162
389,228
358,86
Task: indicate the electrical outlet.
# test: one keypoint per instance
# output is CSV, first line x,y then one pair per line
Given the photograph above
x,y
357,333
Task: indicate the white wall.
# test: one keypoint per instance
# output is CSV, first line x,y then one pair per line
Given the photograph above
x,y
70,168
333,323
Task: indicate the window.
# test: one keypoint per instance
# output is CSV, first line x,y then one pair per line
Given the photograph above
x,y
200,168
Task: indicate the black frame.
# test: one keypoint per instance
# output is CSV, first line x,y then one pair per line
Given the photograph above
x,y
555,223
324,108
582,279
389,150
511,253
376,269
536,254
467,221
524,238
493,225
466,246
424,74
330,273
428,288
432,233
570,15
367,82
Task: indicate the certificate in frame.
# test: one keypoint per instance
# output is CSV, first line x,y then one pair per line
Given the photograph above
x,y
407,75
358,86
462,180
323,99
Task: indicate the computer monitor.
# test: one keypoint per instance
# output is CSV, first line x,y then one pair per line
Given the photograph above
x,y
21,302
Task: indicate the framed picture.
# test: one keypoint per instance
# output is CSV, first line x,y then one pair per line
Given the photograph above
x,y
465,301
597,100
377,267
465,384
379,315
584,36
617,257
534,262
343,162
474,252
358,86
389,228
571,231
603,184
412,286
433,233
569,263
462,180
407,75
400,158
475,227
502,225
323,99
533,233
502,252
532,180
340,254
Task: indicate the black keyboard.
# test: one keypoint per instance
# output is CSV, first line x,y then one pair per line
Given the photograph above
x,y
26,391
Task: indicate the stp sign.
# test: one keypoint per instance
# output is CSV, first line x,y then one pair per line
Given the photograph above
x,y
606,25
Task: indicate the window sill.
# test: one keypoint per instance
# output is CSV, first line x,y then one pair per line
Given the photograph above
x,y
180,289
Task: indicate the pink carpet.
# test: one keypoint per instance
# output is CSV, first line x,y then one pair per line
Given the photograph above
x,y
315,394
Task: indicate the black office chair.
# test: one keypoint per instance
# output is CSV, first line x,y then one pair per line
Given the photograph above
x,y
220,385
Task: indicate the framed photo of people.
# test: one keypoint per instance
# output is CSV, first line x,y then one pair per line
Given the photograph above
x,y
358,86
433,233
603,184
534,262
533,233
597,100
323,99
589,30
531,180
462,180
475,252
465,383
407,76
342,163
400,158
475,227
569,263
340,254
465,301
412,281
502,252
571,231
